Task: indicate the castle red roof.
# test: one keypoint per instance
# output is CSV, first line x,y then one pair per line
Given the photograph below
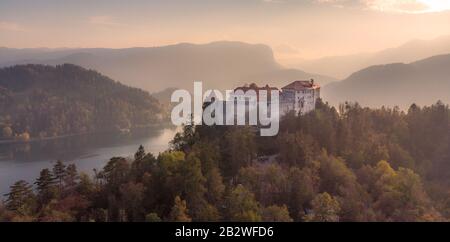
x,y
301,85
255,87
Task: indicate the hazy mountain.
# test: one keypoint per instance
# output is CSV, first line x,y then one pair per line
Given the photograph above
x,y
164,95
47,101
421,82
343,66
219,65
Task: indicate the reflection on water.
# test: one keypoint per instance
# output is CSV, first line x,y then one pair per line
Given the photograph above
x,y
25,161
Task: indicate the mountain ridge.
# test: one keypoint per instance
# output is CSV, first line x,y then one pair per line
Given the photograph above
x,y
220,65
395,84
342,66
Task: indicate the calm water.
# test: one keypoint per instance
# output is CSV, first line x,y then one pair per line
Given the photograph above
x,y
25,161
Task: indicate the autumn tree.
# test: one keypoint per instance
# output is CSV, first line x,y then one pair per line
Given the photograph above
x,y
7,132
241,205
303,186
179,212
400,195
296,149
325,208
268,182
208,213
152,217
276,213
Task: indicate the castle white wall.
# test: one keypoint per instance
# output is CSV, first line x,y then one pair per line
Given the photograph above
x,y
299,101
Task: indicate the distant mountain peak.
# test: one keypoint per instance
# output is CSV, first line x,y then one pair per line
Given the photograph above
x,y
422,82
343,66
219,65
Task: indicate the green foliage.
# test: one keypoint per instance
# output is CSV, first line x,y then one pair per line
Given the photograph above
x,y
296,149
59,172
45,186
215,187
183,141
303,186
357,164
208,213
71,177
241,205
268,182
21,199
140,154
132,197
240,149
152,217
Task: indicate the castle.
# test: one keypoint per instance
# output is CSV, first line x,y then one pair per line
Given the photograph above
x,y
299,97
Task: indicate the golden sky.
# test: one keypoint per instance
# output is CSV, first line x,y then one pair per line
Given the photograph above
x,y
293,28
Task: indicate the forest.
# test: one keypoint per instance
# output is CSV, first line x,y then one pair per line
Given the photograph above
x,y
38,101
331,165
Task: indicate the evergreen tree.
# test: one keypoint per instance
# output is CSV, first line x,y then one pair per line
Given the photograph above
x,y
59,172
140,154
71,177
45,186
183,141
115,172
20,199
85,187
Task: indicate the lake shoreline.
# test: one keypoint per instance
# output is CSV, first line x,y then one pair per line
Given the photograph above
x,y
134,129
24,161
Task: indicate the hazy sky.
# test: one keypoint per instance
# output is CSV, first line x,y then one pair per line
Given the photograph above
x,y
293,28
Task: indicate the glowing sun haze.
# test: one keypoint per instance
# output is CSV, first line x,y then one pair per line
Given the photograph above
x,y
409,6
293,28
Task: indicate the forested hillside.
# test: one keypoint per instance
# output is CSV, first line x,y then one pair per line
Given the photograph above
x,y
358,164
45,101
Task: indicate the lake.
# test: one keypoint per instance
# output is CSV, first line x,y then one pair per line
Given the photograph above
x,y
24,161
